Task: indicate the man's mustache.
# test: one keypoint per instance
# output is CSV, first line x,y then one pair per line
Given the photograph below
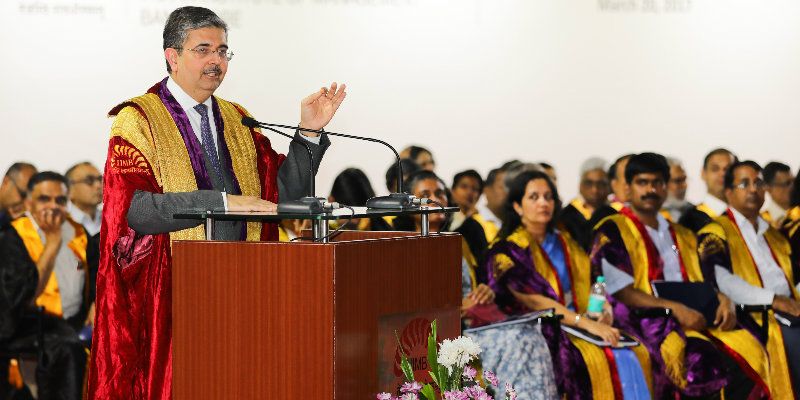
x,y
651,196
214,69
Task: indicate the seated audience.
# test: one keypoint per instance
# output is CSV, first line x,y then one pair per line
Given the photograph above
x,y
751,262
779,180
637,247
714,204
616,177
466,190
535,267
13,190
676,204
576,217
43,261
85,196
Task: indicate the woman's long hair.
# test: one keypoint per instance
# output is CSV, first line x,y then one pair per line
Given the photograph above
x,y
516,191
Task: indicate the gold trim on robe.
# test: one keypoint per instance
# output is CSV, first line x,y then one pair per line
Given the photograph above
x,y
158,139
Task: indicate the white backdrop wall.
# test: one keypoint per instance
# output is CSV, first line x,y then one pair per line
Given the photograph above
x,y
477,81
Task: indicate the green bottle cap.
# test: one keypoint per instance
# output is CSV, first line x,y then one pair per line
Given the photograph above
x,y
601,279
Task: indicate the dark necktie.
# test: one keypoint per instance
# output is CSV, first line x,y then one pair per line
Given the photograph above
x,y
208,139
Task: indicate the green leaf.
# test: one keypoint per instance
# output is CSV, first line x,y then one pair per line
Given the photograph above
x,y
435,379
445,383
405,366
428,392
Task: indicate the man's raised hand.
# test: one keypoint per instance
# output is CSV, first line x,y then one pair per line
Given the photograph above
x,y
317,109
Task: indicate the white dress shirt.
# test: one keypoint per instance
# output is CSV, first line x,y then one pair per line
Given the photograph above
x,y
715,204
617,280
187,103
772,274
775,211
70,278
91,224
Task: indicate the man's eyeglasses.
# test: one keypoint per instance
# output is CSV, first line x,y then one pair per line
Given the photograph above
x,y
758,184
203,52
89,180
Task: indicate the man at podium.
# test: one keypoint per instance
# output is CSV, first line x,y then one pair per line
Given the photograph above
x,y
180,147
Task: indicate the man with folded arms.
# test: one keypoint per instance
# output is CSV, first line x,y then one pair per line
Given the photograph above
x,y
751,263
639,246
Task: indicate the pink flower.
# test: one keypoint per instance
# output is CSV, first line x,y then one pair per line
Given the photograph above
x,y
384,396
511,394
455,395
474,391
470,373
411,387
491,377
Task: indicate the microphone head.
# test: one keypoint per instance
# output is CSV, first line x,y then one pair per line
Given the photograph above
x,y
249,122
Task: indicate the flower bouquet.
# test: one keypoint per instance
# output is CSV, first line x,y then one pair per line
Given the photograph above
x,y
453,377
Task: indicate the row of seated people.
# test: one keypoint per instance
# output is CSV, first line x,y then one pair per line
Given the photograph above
x,y
533,262
49,252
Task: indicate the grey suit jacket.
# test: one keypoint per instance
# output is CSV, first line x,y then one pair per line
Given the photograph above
x,y
151,213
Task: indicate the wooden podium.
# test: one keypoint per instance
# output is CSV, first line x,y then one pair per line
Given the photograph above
x,y
301,320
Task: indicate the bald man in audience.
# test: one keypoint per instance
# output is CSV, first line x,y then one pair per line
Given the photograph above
x,y
85,196
676,204
13,190
576,217
714,203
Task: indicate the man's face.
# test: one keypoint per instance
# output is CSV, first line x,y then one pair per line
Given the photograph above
x,y
714,174
466,193
197,73
13,191
781,188
618,185
647,192
86,186
747,194
47,198
496,192
594,187
677,182
434,190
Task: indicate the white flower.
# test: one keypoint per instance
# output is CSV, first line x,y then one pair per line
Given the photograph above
x,y
458,352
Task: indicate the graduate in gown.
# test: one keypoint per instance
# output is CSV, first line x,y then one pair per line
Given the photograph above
x,y
690,356
535,267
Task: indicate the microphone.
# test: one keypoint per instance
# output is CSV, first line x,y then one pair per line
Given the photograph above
x,y
306,205
399,200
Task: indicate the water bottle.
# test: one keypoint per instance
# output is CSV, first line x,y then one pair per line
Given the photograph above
x,y
597,299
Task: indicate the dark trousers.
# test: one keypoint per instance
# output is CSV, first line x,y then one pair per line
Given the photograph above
x,y
59,372
791,341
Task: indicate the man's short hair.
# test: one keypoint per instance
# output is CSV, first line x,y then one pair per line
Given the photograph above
x,y
45,176
716,151
612,169
186,19
17,167
470,173
591,164
646,163
736,165
772,169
